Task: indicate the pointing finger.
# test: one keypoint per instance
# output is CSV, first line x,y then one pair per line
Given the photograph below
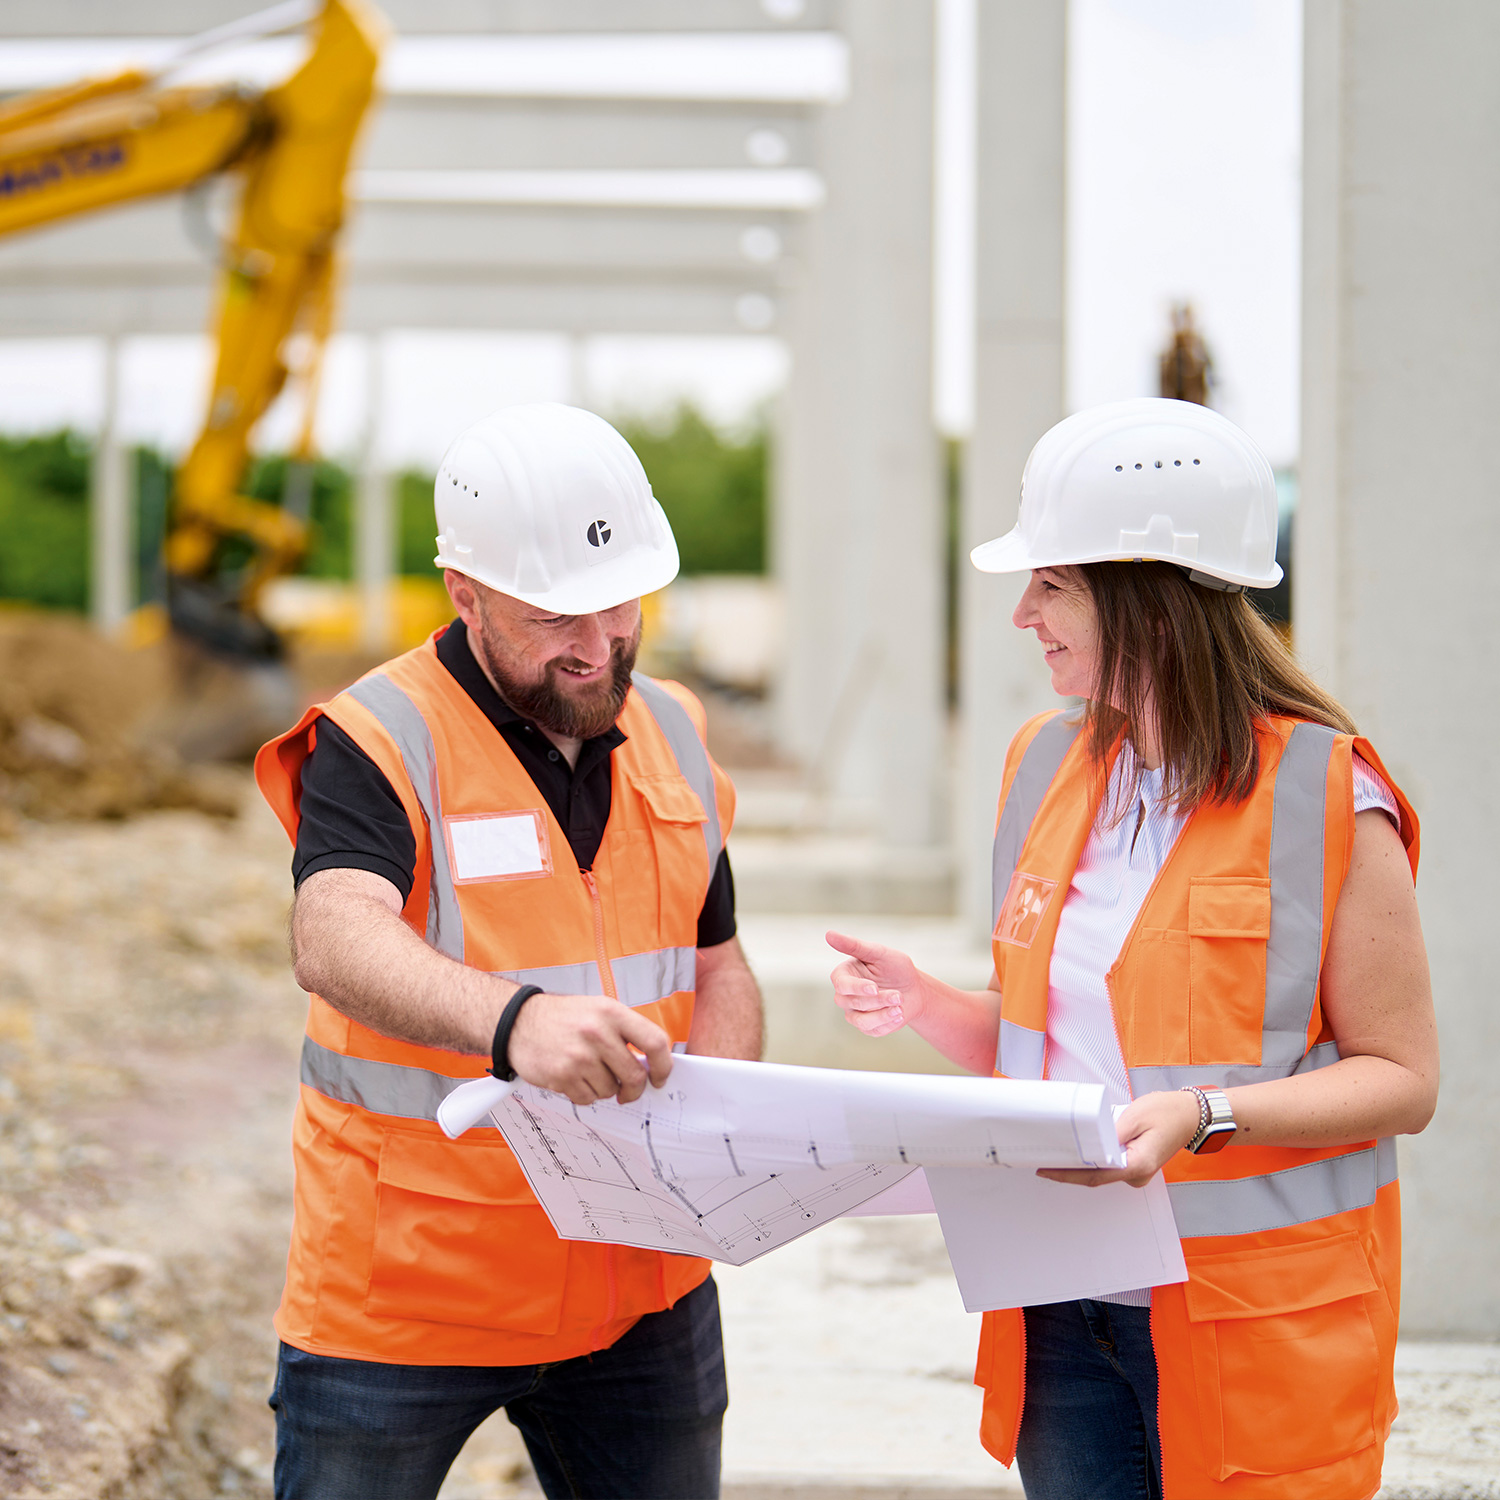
x,y
854,947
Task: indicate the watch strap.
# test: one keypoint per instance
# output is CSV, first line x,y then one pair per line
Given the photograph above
x,y
1215,1118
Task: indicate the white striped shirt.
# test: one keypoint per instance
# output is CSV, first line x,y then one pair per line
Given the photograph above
x,y
1115,873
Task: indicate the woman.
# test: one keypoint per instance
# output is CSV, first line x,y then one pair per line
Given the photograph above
x,y
1203,901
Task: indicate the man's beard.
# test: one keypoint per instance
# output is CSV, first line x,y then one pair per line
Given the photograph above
x,y
579,714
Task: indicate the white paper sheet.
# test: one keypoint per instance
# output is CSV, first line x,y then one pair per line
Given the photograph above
x,y
909,1196
642,1185
1017,1240
731,1159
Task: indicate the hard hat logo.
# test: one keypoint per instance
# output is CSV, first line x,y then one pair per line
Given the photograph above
x,y
598,533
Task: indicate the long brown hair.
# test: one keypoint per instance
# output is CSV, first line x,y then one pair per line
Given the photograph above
x,y
1205,665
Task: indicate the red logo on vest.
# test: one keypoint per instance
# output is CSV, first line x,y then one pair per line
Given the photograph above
x,y
1021,912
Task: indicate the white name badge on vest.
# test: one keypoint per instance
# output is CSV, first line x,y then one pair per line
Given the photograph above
x,y
498,846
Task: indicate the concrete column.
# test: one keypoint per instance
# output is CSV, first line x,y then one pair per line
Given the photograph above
x,y
580,388
858,533
1398,532
375,519
1019,394
111,528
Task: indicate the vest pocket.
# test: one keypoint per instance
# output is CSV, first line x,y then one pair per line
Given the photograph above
x,y
1229,921
674,828
1155,1012
670,798
1285,1357
460,1238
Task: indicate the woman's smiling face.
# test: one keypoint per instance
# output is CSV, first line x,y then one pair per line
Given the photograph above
x,y
1058,606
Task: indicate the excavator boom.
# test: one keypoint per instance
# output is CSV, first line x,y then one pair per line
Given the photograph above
x,y
113,140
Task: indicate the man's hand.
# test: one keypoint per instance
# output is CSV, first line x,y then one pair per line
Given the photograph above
x,y
1152,1129
879,988
580,1046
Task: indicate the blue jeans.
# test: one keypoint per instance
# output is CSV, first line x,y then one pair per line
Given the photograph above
x,y
1088,1425
641,1418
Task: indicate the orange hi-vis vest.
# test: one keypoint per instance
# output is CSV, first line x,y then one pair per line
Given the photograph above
x,y
1275,1357
408,1248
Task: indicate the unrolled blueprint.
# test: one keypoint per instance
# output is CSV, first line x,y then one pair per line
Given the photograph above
x,y
732,1159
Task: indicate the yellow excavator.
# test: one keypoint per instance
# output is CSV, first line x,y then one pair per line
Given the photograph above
x,y
134,135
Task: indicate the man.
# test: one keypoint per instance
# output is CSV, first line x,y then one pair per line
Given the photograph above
x,y
500,837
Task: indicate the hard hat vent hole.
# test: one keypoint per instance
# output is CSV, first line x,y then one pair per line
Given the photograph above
x,y
1138,466
1118,467
1176,463
1197,461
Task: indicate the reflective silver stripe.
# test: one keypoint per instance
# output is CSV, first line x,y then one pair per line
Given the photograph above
x,y
1039,765
1228,1075
380,1087
1294,951
1385,1161
1020,1051
1278,1200
403,721
692,759
640,978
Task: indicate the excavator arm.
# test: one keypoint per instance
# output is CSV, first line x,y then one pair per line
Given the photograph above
x,y
113,140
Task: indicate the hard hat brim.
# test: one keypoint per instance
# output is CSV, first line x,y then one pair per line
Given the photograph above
x,y
1010,554
1006,554
612,583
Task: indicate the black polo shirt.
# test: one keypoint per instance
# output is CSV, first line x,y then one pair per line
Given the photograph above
x,y
352,819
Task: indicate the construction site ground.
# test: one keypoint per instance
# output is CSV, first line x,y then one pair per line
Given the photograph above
x,y
149,1031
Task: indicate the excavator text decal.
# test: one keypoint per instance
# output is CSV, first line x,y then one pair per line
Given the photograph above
x,y
83,161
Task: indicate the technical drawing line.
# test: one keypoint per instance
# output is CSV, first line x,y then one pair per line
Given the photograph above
x,y
541,1135
656,1169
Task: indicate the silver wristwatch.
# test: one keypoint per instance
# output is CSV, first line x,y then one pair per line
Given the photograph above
x,y
1216,1125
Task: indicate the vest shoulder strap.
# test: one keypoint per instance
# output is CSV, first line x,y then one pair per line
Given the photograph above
x,y
684,739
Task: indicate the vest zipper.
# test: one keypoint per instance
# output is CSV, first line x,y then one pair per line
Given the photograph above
x,y
607,979
612,1298
1114,1020
1015,1437
1160,1446
601,954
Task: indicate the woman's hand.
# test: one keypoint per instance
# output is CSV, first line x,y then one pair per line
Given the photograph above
x,y
1152,1129
879,988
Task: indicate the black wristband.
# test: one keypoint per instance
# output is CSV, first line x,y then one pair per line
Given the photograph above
x,y
500,1047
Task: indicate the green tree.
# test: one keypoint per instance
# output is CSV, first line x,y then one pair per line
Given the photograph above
x,y
330,552
44,520
712,487
416,537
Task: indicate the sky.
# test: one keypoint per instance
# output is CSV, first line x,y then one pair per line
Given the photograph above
x,y
1183,184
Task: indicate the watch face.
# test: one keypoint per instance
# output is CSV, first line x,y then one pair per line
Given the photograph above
x,y
1218,1137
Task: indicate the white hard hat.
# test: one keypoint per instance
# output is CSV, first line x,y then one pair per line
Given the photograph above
x,y
1150,479
549,504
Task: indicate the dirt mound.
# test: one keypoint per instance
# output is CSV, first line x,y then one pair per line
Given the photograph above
x,y
75,735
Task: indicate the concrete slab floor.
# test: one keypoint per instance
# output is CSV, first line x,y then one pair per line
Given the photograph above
x,y
851,1357
850,1364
